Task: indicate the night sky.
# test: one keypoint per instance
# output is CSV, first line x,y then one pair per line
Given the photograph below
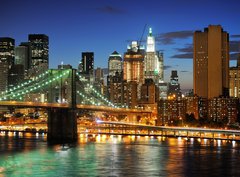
x,y
103,26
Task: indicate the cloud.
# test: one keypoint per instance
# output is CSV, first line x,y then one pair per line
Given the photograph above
x,y
234,46
235,36
110,10
167,67
170,37
183,56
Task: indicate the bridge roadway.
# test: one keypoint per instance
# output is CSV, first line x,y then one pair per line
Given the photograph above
x,y
139,129
66,105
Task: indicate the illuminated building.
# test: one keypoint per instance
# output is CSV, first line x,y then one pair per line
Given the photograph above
x,y
211,62
86,66
4,70
234,80
133,64
114,63
15,75
153,62
7,50
171,110
149,96
192,105
115,89
39,47
223,110
23,56
174,86
130,97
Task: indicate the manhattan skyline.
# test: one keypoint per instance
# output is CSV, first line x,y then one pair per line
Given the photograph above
x,y
102,27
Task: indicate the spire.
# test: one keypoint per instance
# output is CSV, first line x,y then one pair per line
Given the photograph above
x,y
150,31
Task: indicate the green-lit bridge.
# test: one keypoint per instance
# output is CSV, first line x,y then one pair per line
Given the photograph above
x,y
62,92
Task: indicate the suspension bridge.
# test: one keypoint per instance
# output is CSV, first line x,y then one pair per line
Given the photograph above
x,y
62,92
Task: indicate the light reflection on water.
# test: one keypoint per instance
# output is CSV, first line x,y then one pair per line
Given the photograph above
x,y
102,155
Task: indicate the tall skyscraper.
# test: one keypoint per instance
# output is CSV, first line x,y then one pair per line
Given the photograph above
x,y
39,46
211,62
23,56
114,63
133,64
7,46
86,66
153,62
174,86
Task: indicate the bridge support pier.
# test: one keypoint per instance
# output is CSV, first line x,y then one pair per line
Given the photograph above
x,y
62,125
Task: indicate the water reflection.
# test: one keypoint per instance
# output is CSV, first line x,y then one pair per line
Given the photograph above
x,y
102,155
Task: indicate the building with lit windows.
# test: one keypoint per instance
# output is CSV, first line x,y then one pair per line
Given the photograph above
x,y
4,70
23,56
114,63
86,66
153,61
223,110
174,86
234,80
39,47
7,46
211,62
133,63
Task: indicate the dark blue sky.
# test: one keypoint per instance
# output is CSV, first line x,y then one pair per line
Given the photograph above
x,y
103,26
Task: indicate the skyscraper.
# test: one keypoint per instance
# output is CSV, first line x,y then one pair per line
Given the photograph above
x,y
114,63
153,62
86,66
211,62
174,86
39,47
133,64
7,50
23,55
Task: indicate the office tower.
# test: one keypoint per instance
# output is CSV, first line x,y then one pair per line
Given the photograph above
x,y
115,89
153,62
7,50
174,86
234,80
39,47
86,65
4,70
23,56
114,63
16,75
133,64
211,62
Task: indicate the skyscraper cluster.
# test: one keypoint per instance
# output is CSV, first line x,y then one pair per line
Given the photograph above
x,y
25,61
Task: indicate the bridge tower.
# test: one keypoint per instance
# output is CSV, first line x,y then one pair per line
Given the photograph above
x,y
62,122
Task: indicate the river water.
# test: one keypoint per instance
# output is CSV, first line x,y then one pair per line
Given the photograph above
x,y
30,155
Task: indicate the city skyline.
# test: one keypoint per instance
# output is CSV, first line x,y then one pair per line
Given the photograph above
x,y
75,27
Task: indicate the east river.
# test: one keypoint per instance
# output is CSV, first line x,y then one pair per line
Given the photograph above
x,y
30,155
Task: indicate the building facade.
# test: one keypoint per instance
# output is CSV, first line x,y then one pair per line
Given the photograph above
x,y
114,63
7,46
211,62
39,47
153,61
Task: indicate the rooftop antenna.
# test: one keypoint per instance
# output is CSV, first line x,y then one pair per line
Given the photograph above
x,y
144,28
